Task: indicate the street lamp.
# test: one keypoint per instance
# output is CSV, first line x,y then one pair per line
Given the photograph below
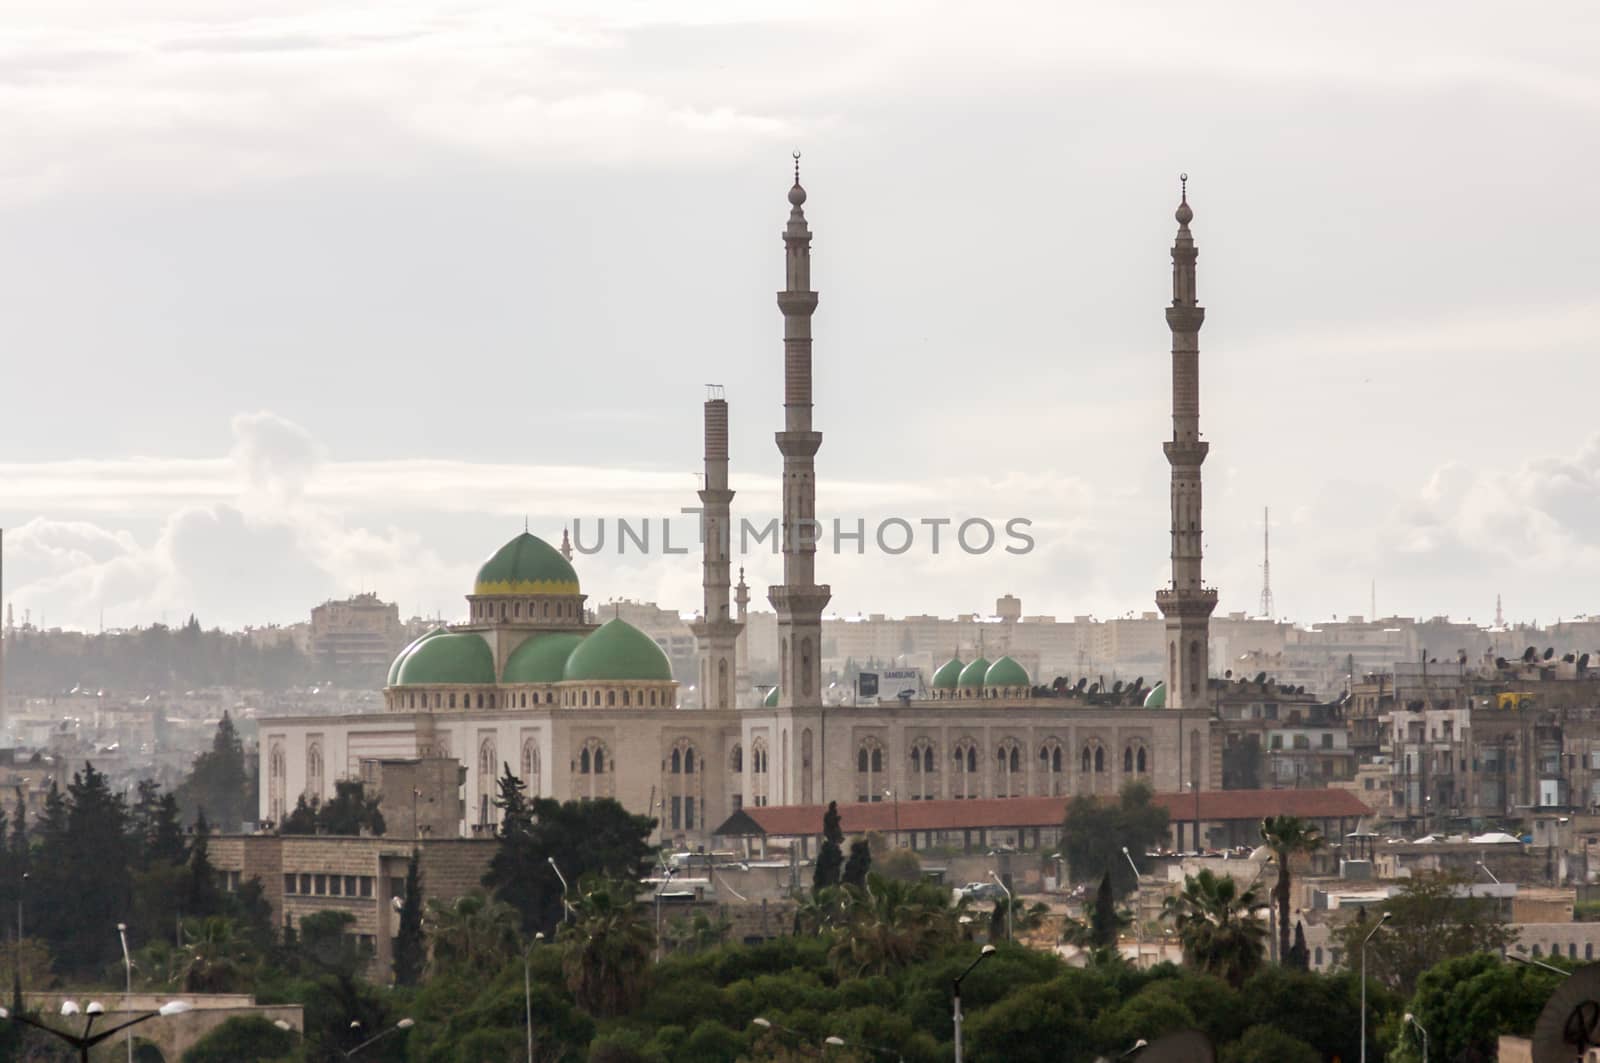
x,y
840,1042
1138,924
127,966
666,880
87,1040
403,1024
16,968
565,908
1364,942
527,987
891,795
1411,1020
1486,871
1010,904
955,994
1536,963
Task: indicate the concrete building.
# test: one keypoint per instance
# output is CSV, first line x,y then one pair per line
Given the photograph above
x,y
356,636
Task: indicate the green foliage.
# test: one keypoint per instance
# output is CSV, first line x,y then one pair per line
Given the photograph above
x,y
606,952
1466,1002
583,838
1287,837
1094,834
221,783
1268,1044
350,811
1431,920
1103,922
857,866
157,657
830,857
900,865
1215,927
84,864
410,946
472,935
242,1040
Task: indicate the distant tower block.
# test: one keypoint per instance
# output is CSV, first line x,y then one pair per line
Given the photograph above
x,y
1267,608
1187,603
716,633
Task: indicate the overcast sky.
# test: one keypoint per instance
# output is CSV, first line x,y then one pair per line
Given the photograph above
x,y
299,299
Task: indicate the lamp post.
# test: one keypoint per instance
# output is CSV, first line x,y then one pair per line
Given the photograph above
x,y
16,968
403,1024
1536,963
127,966
88,1039
665,882
1138,923
527,988
1491,874
892,796
1411,1020
955,994
566,909
840,1042
1364,942
768,1024
1010,904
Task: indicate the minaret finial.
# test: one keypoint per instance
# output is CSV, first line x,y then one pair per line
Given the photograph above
x,y
524,524
1185,212
1183,186
796,167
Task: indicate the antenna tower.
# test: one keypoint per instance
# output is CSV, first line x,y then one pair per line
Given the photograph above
x,y
1267,609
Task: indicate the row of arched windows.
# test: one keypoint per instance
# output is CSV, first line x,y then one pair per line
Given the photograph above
x,y
491,610
1009,777
486,699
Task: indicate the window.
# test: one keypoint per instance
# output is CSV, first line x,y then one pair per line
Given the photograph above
x,y
335,886
583,762
1099,760
288,884
736,758
366,885
350,885
305,884
321,883
1327,743
397,887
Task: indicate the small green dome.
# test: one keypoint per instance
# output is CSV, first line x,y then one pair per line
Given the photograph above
x,y
948,677
1005,673
448,658
1157,698
771,700
541,659
394,669
526,565
972,675
618,650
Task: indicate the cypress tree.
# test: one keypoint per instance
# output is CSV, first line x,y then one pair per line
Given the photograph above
x,y
1103,919
860,862
409,951
830,857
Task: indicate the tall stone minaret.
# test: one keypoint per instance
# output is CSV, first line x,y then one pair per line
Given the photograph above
x,y
1187,603
741,655
716,633
798,601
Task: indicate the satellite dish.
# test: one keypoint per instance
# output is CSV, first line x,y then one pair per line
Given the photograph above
x,y
1187,1046
1569,1025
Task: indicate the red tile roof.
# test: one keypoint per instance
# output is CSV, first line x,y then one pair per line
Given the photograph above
x,y
1000,813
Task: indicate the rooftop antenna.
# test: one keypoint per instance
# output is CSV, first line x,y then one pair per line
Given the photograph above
x,y
1499,614
1267,609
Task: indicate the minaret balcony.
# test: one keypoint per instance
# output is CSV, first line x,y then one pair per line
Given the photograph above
x,y
1193,453
1187,603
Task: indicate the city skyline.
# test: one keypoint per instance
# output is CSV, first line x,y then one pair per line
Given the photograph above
x,y
360,363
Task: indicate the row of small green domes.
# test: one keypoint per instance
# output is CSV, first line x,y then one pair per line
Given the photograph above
x,y
1005,672
615,651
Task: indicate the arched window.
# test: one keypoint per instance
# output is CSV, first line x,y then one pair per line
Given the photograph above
x,y
684,803
611,697
1099,760
488,769
869,770
1086,756
965,782
592,780
1195,678
583,762
1008,769
1050,782
625,699
530,766
924,785
314,770
583,697
600,762
1139,760
1127,759
758,770
736,758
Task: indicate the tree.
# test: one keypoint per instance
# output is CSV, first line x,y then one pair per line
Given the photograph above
x,y
605,955
1287,837
215,959
1299,954
200,894
1267,1044
84,869
1433,918
242,1039
582,838
474,934
860,862
410,945
1215,926
302,819
1103,921
1094,834
830,856
350,811
891,924
221,781
1465,1003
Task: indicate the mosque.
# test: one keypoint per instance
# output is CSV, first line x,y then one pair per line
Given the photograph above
x,y
581,710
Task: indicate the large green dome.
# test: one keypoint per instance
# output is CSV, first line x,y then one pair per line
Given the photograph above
x,y
972,675
447,658
399,658
948,677
526,565
1005,673
541,659
1157,698
618,650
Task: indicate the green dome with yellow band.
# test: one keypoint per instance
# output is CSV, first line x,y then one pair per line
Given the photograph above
x,y
526,565
542,659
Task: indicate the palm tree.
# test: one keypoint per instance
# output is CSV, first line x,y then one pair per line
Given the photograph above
x,y
473,932
1286,836
892,924
214,958
1215,927
606,953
